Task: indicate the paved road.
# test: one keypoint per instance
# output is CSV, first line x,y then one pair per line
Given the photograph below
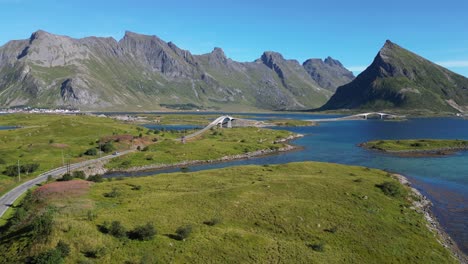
x,y
9,198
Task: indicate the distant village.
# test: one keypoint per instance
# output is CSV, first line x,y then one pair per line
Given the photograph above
x,y
39,110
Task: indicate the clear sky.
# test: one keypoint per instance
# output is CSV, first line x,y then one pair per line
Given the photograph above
x,y
350,31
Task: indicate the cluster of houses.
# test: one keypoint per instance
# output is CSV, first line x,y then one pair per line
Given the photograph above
x,y
38,110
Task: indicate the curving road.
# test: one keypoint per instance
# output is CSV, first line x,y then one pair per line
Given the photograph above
x,y
10,197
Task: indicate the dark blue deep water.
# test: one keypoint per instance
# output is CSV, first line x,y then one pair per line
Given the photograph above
x,y
444,180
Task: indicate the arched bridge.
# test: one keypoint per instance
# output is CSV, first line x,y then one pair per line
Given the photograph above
x,y
222,122
363,116
379,114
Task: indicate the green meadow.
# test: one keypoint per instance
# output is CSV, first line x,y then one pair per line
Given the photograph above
x,y
54,140
180,119
292,213
291,122
213,144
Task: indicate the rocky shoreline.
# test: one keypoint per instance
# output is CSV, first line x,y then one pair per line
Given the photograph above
x,y
423,206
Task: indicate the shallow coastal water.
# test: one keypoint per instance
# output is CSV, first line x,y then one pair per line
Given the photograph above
x,y
443,179
7,127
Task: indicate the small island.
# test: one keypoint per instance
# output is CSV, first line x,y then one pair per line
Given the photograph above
x,y
418,147
290,123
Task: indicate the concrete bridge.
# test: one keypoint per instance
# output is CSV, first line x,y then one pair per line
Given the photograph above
x,y
363,116
221,122
379,114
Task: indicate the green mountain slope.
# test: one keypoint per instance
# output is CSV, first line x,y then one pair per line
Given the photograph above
x,y
400,79
142,72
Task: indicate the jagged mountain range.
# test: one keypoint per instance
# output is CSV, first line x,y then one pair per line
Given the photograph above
x,y
328,73
141,72
400,79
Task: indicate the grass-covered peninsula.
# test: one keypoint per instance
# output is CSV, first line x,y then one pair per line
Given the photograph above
x,y
293,213
212,145
418,147
43,142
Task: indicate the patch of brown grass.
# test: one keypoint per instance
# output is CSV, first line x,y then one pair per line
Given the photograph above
x,y
121,138
59,145
61,190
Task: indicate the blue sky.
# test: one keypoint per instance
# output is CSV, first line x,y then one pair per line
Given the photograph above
x,y
350,31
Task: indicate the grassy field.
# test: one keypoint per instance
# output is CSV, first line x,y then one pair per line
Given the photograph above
x,y
45,139
292,213
180,119
416,144
202,120
211,145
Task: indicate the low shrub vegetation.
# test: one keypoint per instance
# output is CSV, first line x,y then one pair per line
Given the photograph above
x,y
91,152
117,230
112,194
392,189
95,178
183,232
319,247
143,232
12,170
213,221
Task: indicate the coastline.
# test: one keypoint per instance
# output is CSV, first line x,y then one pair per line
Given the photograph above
x,y
423,206
100,169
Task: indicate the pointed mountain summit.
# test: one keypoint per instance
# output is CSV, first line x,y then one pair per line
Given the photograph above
x,y
400,79
328,73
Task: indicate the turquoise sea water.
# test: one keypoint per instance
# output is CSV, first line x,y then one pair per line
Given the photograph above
x,y
443,179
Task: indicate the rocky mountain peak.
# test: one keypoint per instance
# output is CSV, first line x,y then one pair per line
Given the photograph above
x,y
130,34
389,44
273,60
39,34
328,73
390,61
388,49
269,57
312,61
218,55
399,78
218,52
50,50
332,62
164,57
